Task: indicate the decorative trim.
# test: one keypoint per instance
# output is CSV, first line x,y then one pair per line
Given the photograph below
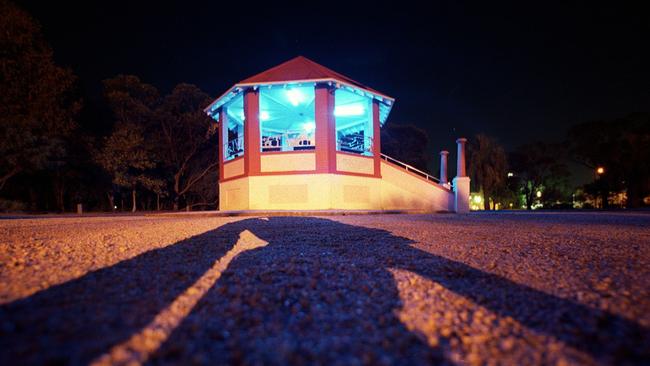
x,y
353,154
355,174
290,172
288,152
233,178
298,172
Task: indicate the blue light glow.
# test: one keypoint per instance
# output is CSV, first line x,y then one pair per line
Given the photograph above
x,y
295,97
309,126
349,110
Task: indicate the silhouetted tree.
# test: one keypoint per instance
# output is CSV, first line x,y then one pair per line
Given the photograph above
x,y
129,153
622,147
38,104
407,143
129,162
488,166
536,166
187,139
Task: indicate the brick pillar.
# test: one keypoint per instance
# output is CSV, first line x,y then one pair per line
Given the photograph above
x,y
376,137
223,140
325,129
252,132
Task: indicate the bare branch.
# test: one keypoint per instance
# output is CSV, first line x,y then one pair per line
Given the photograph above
x,y
6,177
198,177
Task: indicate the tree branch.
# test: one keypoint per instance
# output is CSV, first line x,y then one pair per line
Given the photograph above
x,y
6,177
196,178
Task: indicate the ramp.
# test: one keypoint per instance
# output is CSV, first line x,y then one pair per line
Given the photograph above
x,y
404,187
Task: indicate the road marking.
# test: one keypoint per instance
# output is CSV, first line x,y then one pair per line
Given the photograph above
x,y
140,346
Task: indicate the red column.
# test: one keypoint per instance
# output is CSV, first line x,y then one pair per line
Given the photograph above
x,y
376,137
252,132
222,141
325,129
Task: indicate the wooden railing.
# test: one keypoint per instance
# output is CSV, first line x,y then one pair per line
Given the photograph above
x,y
409,168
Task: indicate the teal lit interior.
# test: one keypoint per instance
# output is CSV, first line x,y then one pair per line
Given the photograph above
x,y
353,115
234,133
287,118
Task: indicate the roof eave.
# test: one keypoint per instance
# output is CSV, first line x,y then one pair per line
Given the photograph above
x,y
383,98
338,81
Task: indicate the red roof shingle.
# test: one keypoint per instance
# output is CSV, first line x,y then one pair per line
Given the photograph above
x,y
301,68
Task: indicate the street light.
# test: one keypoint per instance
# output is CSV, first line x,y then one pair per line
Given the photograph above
x,y
600,170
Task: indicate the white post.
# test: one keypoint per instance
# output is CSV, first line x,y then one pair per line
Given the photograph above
x,y
443,167
461,182
460,166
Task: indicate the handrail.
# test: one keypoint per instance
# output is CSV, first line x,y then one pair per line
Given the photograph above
x,y
409,168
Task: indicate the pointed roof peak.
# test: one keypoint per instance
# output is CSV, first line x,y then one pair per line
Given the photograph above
x,y
300,68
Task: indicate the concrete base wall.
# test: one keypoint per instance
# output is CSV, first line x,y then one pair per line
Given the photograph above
x,y
461,194
395,190
234,194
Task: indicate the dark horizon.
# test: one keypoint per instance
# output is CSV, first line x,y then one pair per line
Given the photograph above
x,y
517,73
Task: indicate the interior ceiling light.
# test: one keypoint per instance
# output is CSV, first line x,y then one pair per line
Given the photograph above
x,y
349,110
295,97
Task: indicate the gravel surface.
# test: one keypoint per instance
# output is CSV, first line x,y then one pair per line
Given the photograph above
x,y
484,288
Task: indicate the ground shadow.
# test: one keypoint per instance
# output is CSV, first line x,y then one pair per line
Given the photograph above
x,y
319,292
74,322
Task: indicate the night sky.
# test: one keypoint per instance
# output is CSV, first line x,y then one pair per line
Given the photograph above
x,y
516,72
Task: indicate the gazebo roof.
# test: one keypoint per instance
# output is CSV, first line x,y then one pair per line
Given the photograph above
x,y
302,70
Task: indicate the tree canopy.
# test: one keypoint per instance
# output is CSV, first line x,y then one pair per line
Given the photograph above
x,y
38,101
187,138
488,166
165,145
538,167
622,148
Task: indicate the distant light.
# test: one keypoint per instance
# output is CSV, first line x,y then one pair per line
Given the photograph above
x,y
349,110
511,174
115,207
539,194
309,126
478,199
264,115
295,97
600,170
